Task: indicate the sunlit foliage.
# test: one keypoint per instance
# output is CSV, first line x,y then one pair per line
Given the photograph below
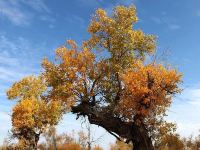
x,y
32,114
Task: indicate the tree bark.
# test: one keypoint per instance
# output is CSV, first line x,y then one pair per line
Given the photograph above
x,y
33,141
138,134
142,141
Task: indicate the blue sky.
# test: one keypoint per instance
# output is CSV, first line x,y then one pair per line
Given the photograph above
x,y
32,29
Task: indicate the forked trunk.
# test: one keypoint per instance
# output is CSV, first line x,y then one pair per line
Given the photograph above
x,y
138,134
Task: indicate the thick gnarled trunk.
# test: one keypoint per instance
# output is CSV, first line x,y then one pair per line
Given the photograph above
x,y
142,140
32,143
115,126
29,139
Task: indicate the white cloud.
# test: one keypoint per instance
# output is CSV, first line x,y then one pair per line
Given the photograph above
x,y
47,18
198,13
89,3
5,124
156,20
10,75
130,2
75,19
8,60
16,59
37,5
185,111
15,13
174,26
169,22
194,96
51,26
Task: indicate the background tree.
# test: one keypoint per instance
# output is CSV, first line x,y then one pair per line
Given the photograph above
x,y
171,142
66,141
32,114
88,136
120,145
192,143
97,148
108,80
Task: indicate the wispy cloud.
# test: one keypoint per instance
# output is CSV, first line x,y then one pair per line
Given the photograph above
x,y
130,2
5,118
185,111
198,13
77,20
89,3
156,20
18,58
108,5
169,22
5,123
193,95
174,26
38,5
47,18
14,10
13,13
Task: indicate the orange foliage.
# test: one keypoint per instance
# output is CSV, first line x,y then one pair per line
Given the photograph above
x,y
148,90
32,114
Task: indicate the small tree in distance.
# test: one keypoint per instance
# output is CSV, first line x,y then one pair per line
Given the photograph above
x,y
32,115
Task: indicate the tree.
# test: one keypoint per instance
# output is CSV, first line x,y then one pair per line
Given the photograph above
x,y
191,142
108,80
87,137
171,142
66,141
32,114
97,148
120,145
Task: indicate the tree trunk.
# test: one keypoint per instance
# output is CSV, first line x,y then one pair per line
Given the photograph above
x,y
141,146
37,137
32,141
143,141
29,138
138,134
